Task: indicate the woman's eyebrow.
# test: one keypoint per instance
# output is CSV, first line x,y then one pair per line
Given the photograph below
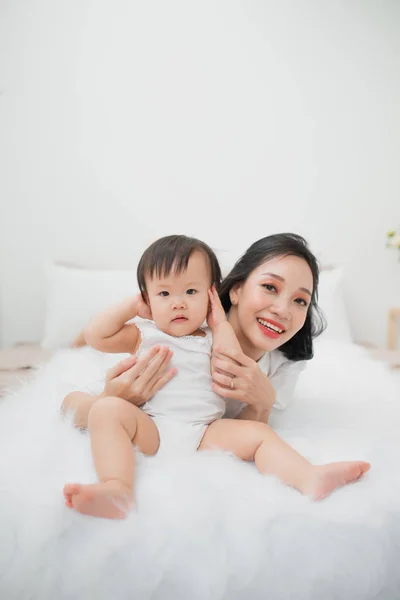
x,y
276,276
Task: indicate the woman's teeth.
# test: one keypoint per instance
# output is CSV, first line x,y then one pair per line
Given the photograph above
x,y
270,326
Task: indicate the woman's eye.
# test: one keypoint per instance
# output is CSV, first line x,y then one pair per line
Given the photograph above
x,y
301,301
191,292
164,294
269,287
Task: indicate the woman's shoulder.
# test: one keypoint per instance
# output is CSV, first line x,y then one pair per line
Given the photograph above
x,y
281,370
283,374
270,362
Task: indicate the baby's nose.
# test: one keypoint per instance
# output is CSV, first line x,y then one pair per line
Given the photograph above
x,y
178,303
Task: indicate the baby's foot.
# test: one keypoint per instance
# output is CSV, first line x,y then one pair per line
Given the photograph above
x,y
70,489
110,499
326,478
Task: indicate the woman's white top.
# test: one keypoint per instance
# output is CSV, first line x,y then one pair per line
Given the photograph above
x,y
283,375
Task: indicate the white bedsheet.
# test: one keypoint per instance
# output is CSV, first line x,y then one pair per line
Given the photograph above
x,y
207,526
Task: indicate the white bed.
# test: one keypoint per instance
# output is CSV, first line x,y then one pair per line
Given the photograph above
x,y
206,527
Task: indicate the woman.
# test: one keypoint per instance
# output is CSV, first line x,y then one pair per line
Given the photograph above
x,y
277,277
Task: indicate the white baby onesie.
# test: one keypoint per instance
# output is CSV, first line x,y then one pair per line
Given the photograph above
x,y
186,405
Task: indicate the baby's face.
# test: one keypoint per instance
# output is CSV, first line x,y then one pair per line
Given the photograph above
x,y
179,301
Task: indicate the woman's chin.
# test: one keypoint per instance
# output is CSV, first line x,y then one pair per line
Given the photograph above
x,y
265,343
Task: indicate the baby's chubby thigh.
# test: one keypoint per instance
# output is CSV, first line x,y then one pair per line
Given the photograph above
x,y
243,438
112,413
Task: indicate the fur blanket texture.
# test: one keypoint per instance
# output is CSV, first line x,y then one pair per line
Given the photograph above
x,y
207,526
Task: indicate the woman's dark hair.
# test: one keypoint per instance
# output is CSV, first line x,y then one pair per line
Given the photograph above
x,y
300,346
172,253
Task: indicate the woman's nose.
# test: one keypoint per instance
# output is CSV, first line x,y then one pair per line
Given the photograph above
x,y
281,309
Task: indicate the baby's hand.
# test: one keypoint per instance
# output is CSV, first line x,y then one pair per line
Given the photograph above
x,y
216,314
143,309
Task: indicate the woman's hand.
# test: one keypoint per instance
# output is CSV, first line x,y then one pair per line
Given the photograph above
x,y
138,380
216,313
238,377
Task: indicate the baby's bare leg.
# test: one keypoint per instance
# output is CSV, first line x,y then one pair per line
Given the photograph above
x,y
81,403
114,424
250,440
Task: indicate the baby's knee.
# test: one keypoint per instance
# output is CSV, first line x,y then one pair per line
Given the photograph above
x,y
257,431
68,402
257,428
106,409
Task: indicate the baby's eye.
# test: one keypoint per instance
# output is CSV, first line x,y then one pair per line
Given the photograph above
x,y
164,294
191,291
269,287
301,301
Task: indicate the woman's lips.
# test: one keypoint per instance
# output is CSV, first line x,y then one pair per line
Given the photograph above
x,y
269,332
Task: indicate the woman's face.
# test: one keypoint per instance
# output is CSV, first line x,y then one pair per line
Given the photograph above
x,y
271,306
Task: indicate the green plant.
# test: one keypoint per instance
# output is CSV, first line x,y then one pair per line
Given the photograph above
x,y
393,240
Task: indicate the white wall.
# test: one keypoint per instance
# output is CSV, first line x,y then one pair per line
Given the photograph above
x,y
125,120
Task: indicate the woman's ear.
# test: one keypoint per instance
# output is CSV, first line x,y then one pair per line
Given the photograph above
x,y
234,294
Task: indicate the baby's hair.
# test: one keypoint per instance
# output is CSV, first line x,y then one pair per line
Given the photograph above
x,y
172,253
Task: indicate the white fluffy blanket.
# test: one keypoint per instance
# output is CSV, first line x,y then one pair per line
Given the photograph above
x,y
207,527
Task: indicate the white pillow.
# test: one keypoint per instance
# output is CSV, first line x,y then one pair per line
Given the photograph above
x,y
75,295
331,302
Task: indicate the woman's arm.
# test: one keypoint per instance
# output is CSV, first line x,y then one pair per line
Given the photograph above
x,y
222,331
261,410
271,382
251,385
235,375
254,413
